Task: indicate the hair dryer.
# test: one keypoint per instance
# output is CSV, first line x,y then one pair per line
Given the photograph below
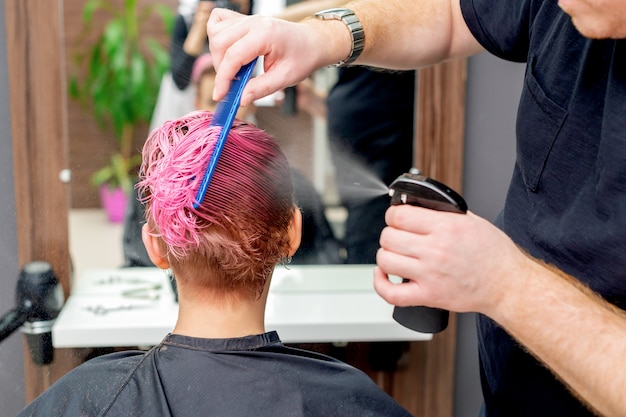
x,y
38,299
418,190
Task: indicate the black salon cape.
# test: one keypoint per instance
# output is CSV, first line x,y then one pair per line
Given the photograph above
x,y
253,376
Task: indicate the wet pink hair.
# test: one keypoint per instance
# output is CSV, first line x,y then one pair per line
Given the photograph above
x,y
240,231
202,65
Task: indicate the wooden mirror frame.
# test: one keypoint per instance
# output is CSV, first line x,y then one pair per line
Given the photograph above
x,y
37,82
37,87
439,138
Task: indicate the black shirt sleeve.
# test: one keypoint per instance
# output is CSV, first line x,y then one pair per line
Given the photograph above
x,y
181,63
501,27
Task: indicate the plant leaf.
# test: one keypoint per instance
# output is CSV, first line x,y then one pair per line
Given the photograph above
x,y
117,71
89,9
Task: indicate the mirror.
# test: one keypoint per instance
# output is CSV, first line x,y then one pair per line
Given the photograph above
x,y
40,154
302,136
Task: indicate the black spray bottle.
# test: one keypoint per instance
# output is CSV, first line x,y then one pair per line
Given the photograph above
x,y
417,190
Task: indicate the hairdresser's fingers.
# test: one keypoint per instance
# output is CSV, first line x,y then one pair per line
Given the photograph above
x,y
459,265
419,232
291,51
425,285
428,256
221,18
237,40
415,219
403,294
269,82
389,291
402,242
401,264
225,29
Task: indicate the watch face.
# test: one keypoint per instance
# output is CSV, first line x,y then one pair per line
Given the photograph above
x,y
333,14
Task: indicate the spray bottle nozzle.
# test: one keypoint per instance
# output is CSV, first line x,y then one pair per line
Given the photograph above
x,y
418,190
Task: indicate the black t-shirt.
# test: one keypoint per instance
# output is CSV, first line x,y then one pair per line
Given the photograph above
x,y
185,376
567,198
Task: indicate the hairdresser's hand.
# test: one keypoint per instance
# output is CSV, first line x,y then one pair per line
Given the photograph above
x,y
453,261
291,51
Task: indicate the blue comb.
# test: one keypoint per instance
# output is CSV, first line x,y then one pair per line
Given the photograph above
x,y
223,117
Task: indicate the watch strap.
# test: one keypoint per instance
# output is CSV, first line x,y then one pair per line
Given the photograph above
x,y
355,27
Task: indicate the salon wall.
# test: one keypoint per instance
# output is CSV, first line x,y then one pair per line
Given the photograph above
x,y
493,90
11,365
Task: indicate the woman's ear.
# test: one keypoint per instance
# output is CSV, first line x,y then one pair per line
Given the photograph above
x,y
295,231
154,248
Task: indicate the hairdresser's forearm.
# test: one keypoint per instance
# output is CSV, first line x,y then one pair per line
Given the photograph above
x,y
577,334
406,34
398,34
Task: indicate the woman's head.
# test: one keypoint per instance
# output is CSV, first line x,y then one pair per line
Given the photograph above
x,y
242,229
203,78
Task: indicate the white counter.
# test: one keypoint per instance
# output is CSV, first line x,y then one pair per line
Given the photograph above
x,y
136,307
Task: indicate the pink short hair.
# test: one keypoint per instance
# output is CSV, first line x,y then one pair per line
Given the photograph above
x,y
202,65
240,231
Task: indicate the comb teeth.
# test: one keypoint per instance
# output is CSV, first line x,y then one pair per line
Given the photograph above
x,y
223,117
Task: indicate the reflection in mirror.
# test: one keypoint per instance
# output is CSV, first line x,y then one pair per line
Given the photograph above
x,y
98,243
108,114
298,120
341,182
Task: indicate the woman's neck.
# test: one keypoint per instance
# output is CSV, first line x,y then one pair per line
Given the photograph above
x,y
204,315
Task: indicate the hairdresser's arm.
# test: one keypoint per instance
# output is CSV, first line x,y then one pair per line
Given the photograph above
x,y
464,263
399,34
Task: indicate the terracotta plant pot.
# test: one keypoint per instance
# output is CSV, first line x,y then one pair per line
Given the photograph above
x,y
114,201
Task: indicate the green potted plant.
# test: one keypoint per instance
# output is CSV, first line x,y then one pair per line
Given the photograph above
x,y
116,74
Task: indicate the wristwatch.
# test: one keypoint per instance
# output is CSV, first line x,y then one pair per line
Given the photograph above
x,y
348,17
